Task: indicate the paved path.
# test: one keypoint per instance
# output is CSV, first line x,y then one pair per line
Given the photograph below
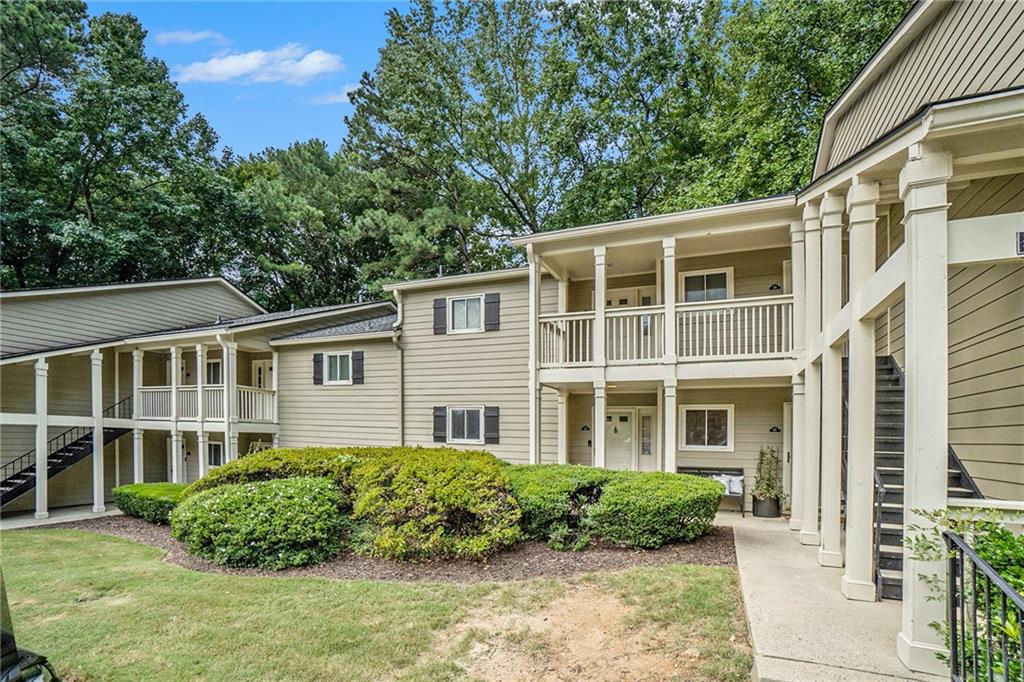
x,y
801,625
62,515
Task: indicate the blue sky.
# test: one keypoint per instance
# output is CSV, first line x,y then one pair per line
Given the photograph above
x,y
264,73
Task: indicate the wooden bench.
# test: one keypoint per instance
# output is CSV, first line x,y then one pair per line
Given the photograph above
x,y
706,472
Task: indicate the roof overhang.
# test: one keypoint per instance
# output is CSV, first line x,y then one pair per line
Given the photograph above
x,y
337,338
455,280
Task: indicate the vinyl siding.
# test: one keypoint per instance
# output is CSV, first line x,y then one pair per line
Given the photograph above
x,y
969,48
34,324
486,368
363,414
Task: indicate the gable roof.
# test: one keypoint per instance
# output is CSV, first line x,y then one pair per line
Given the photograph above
x,y
382,324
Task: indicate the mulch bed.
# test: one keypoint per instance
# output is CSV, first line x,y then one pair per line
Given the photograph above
x,y
523,561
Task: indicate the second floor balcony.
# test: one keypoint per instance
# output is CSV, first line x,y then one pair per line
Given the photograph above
x,y
251,404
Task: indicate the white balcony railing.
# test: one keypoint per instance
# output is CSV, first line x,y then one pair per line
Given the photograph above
x,y
213,401
255,404
155,402
635,335
566,339
188,402
746,328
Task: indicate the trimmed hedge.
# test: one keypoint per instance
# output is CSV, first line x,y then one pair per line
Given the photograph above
x,y
647,510
556,499
151,502
431,503
265,524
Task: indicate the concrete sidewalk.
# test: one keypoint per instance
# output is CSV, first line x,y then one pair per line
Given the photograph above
x,y
801,626
27,519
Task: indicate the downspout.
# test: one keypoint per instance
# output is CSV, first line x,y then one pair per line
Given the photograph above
x,y
396,338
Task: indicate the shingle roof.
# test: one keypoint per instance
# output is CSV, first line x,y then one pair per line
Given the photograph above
x,y
382,323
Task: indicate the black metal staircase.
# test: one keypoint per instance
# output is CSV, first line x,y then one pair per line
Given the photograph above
x,y
18,476
890,410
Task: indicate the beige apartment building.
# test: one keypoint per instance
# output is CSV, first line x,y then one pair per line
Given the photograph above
x,y
869,328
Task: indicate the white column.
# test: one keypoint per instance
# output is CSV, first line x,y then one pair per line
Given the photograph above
x,y
273,380
671,419
42,439
233,446
138,471
275,440
204,460
98,492
668,247
859,579
117,414
175,377
600,298
177,461
799,428
230,371
926,318
200,381
812,379
600,411
830,552
534,385
798,273
563,426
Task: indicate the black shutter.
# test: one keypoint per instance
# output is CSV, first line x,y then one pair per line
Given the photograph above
x,y
318,368
440,424
357,367
492,312
491,424
440,316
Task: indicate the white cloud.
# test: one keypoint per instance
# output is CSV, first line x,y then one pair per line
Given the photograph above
x,y
337,97
291,63
189,37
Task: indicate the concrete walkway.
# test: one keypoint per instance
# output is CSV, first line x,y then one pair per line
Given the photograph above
x,y
64,514
801,626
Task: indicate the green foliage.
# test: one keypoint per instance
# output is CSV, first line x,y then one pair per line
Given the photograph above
x,y
437,502
151,502
650,509
556,499
267,524
1004,551
768,485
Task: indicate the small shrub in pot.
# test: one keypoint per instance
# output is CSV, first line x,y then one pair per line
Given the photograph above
x,y
768,493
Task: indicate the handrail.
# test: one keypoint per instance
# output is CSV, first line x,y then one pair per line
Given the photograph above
x,y
734,302
634,310
579,315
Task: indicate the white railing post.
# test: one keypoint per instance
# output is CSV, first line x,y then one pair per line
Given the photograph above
x,y
42,438
98,485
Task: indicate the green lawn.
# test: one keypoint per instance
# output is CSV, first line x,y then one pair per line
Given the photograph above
x,y
107,608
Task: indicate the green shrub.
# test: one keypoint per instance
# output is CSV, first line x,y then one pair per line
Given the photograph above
x,y
1004,551
265,524
431,503
555,500
647,510
151,502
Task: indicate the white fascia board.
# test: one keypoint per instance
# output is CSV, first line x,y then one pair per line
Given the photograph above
x,y
455,280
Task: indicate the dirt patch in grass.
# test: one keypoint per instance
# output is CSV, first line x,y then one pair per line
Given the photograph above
x,y
524,561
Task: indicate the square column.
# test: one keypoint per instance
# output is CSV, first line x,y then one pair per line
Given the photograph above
x,y
812,380
204,459
177,461
600,298
668,279
200,381
797,255
797,446
671,419
534,383
42,439
98,493
600,411
563,426
923,185
232,447
230,371
830,553
138,474
175,380
859,579
138,471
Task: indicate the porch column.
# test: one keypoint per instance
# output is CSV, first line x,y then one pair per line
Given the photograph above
x,y
831,553
175,377
273,381
600,298
534,385
668,247
138,471
42,439
671,419
98,493
137,466
204,460
177,473
859,579
230,371
600,410
812,378
926,317
233,446
200,381
796,238
563,426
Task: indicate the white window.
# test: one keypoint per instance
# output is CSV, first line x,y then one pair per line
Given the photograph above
x,y
706,285
465,314
706,427
213,372
339,368
466,425
646,434
214,454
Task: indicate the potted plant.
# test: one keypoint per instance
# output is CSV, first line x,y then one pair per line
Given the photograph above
x,y
768,493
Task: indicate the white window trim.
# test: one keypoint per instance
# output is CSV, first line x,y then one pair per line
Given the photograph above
x,y
211,444
730,445
465,441
449,317
327,369
220,372
730,292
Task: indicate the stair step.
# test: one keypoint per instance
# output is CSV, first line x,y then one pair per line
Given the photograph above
x,y
891,586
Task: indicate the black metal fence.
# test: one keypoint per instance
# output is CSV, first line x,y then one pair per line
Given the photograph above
x,y
985,617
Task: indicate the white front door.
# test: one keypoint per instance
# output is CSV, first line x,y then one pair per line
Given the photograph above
x,y
619,439
261,370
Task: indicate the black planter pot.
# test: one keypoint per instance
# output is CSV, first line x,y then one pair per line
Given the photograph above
x,y
767,509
